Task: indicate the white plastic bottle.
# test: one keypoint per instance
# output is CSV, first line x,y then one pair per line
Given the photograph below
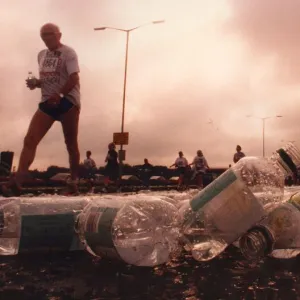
x,y
39,224
138,229
235,201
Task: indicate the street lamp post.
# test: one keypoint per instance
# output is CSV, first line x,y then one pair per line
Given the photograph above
x,y
127,31
263,128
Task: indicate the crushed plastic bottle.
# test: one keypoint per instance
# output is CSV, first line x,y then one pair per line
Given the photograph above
x,y
174,197
39,224
139,230
278,235
235,201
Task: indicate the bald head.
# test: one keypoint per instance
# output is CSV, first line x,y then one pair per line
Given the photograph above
x,y
50,27
50,34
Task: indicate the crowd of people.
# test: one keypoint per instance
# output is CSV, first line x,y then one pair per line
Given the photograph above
x,y
198,167
186,171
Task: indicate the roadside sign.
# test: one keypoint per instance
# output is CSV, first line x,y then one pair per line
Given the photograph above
x,y
121,138
122,155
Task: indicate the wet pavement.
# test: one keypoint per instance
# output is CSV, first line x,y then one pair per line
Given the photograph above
x,y
77,275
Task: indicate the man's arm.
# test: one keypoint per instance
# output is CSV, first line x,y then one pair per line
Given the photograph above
x,y
73,70
70,84
234,158
193,162
38,83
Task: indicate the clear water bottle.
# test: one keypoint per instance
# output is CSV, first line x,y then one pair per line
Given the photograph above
x,y
235,201
278,235
31,80
139,230
39,224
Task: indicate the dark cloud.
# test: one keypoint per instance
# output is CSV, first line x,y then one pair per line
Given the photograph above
x,y
171,92
271,28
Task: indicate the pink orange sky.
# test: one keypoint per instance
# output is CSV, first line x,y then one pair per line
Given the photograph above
x,y
211,60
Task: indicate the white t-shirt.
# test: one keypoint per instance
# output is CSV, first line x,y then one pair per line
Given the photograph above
x,y
89,163
181,162
200,163
55,67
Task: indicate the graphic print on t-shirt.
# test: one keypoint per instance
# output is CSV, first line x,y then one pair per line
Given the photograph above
x,y
181,162
50,66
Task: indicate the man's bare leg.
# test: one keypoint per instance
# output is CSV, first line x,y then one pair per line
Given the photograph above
x,y
69,123
38,127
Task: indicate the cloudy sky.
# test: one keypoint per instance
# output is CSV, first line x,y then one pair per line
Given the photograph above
x,y
191,81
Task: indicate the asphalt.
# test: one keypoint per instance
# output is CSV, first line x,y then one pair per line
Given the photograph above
x,y
78,275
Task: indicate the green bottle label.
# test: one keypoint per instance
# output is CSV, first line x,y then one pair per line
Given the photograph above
x,y
98,231
48,233
214,189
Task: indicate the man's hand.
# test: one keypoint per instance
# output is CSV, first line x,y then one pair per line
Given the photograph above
x,y
33,83
53,100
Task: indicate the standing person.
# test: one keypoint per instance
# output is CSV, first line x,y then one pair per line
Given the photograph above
x,y
112,165
90,168
200,168
181,164
239,154
147,172
60,101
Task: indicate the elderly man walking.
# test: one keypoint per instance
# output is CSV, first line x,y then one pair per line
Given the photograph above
x,y
60,101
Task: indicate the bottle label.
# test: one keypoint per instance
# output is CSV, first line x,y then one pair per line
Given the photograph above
x,y
215,188
98,231
234,208
49,233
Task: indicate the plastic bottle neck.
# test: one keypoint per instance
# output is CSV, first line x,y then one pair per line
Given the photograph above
x,y
280,164
258,242
287,159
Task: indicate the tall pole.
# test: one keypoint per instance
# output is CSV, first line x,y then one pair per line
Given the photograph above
x,y
124,89
125,77
263,132
263,128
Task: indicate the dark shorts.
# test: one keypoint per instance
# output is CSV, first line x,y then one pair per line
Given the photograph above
x,y
112,172
182,170
56,112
